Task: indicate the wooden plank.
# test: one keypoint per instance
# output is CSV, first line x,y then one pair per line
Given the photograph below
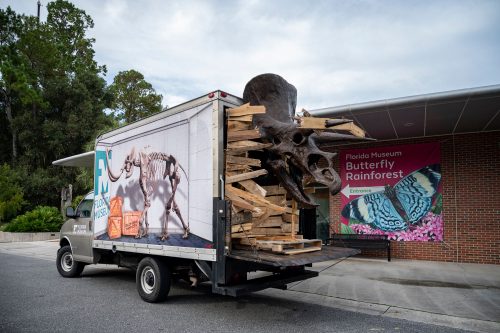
x,y
243,160
245,176
277,199
237,201
319,123
243,143
259,212
253,187
270,222
277,238
236,125
247,241
245,235
311,242
243,135
253,198
286,218
304,250
294,218
273,213
268,231
274,190
289,210
246,119
311,122
237,147
287,227
351,128
281,247
241,227
241,217
246,109
237,167
257,219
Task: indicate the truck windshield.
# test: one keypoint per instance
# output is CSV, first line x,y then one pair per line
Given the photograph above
x,y
85,208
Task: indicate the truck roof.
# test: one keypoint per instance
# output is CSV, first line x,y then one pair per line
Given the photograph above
x,y
215,95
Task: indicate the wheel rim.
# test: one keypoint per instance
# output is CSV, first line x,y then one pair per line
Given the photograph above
x,y
148,280
67,261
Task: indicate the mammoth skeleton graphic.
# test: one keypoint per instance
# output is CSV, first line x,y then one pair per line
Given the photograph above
x,y
152,167
294,156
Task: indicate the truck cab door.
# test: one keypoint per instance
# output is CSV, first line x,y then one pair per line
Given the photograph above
x,y
83,234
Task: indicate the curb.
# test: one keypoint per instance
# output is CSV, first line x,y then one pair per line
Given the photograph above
x,y
10,237
475,325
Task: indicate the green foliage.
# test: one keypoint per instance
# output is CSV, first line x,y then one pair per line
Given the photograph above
x,y
438,204
76,200
11,194
345,229
52,97
52,101
134,98
41,219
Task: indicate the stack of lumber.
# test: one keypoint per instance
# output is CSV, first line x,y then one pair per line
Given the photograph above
x,y
264,217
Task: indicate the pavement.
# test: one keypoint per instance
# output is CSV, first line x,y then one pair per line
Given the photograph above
x,y
456,295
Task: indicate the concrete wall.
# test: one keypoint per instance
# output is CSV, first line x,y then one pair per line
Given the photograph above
x,y
470,165
7,237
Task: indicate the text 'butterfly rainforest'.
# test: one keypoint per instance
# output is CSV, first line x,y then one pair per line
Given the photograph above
x,y
397,207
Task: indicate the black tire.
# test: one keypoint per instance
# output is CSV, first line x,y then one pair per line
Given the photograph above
x,y
66,266
153,280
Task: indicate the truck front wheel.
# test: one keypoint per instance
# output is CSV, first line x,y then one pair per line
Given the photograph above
x,y
153,280
66,265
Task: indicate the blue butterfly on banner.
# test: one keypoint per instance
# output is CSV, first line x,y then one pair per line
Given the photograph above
x,y
399,206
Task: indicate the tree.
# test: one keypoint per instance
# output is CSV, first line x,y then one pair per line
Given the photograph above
x,y
17,87
134,98
52,96
11,195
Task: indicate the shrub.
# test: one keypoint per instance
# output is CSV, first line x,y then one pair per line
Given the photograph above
x,y
41,219
11,194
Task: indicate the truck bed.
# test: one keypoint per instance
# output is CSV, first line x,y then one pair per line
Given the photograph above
x,y
281,260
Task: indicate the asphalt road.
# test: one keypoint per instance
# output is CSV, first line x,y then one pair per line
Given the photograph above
x,y
34,298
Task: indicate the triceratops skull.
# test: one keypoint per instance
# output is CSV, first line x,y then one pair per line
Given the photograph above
x,y
294,155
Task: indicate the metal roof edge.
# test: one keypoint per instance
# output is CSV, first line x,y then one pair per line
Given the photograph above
x,y
80,160
424,98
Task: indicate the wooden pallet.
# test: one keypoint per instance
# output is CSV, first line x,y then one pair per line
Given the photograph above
x,y
285,246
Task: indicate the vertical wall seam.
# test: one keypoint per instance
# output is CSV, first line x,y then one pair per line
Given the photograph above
x,y
455,195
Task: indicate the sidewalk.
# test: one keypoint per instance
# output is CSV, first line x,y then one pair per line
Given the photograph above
x,y
464,296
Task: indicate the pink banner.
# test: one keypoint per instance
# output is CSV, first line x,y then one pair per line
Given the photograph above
x,y
394,191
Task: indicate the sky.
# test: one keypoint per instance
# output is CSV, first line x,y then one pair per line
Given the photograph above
x,y
334,52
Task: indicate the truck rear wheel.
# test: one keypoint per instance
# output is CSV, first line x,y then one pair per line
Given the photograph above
x,y
153,280
66,265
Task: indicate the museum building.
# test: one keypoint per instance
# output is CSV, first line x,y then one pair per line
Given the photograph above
x,y
430,181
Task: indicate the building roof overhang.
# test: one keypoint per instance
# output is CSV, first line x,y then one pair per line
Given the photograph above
x,y
452,112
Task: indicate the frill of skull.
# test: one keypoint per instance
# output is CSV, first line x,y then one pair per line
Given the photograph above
x,y
294,159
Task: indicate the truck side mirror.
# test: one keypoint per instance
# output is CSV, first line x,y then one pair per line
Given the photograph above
x,y
70,212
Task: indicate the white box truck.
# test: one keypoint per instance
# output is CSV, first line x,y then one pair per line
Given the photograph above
x,y
158,207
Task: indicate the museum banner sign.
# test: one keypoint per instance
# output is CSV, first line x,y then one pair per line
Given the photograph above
x,y
393,191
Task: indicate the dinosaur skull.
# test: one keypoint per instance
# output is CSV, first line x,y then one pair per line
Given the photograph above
x,y
294,157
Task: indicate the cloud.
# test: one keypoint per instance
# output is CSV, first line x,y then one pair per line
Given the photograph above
x,y
334,52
